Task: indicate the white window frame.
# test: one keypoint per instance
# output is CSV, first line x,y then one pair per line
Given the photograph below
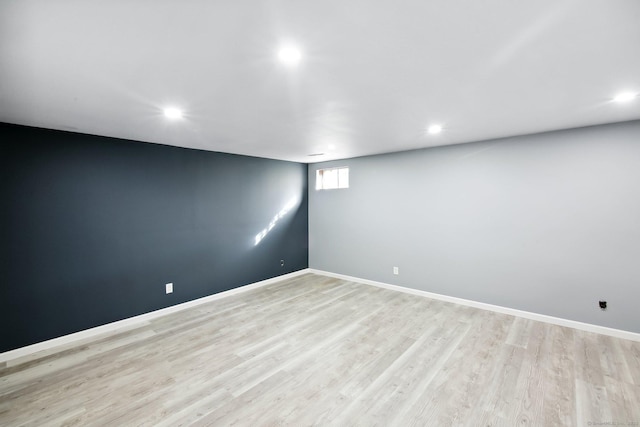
x,y
324,180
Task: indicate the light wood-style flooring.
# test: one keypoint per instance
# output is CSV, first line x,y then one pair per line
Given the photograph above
x,y
315,350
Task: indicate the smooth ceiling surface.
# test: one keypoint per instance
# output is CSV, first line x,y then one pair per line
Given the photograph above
x,y
373,75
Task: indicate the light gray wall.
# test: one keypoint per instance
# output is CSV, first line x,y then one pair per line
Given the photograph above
x,y
547,223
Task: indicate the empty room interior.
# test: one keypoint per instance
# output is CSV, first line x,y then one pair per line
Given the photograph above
x,y
334,213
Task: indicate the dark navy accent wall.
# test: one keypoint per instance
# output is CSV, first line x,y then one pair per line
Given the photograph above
x,y
94,227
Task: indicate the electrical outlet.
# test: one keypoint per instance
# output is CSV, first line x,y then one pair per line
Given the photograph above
x,y
168,288
603,305
281,263
396,270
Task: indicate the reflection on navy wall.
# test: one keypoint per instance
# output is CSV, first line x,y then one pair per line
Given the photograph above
x,y
93,228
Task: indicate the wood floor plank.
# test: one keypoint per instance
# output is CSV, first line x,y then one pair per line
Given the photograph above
x,y
558,404
314,350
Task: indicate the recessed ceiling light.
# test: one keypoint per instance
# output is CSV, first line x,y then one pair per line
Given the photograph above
x,y
289,55
332,146
172,113
434,129
625,97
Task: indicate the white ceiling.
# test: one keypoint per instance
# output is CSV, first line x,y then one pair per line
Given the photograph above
x,y
373,76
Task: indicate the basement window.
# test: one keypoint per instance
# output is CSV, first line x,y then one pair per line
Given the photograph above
x,y
330,179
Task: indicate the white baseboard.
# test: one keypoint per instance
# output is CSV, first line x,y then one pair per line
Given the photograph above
x,y
618,333
135,321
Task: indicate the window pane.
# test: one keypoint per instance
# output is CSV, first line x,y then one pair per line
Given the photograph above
x,y
319,179
330,179
343,178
